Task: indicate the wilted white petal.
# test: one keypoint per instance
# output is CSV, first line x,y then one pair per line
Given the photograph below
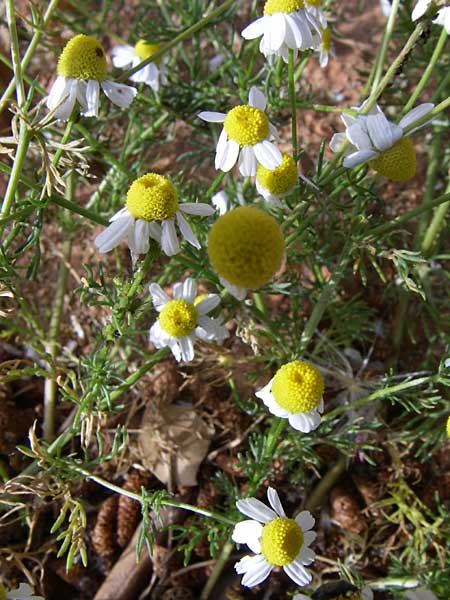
x,y
247,162
122,56
159,296
415,114
201,209
120,94
187,348
357,158
186,230
169,239
117,231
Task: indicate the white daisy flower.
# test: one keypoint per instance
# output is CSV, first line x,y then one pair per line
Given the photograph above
x,y
245,136
183,318
276,540
336,590
245,247
274,184
295,393
151,199
420,594
382,144
81,72
442,16
23,592
152,74
314,8
324,47
286,24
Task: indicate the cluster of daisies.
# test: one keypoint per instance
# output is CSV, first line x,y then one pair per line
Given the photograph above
x,y
246,244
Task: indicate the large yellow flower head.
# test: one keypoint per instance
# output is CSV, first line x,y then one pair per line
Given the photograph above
x,y
282,6
281,180
298,386
246,247
152,197
83,57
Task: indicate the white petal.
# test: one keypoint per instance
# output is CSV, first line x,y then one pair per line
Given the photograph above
x,y
255,29
237,292
415,114
249,533
420,594
92,98
201,209
159,296
211,116
304,422
257,98
154,231
247,162
139,238
189,289
357,158
336,141
111,237
382,133
220,200
268,154
221,148
269,400
122,56
278,31
256,569
358,136
293,37
305,520
175,348
275,501
61,88
306,556
120,94
308,538
169,240
297,573
255,509
208,304
228,157
206,329
187,348
186,230
158,336
420,9
123,212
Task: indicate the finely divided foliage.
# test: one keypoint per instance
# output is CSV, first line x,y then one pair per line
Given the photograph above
x,y
212,244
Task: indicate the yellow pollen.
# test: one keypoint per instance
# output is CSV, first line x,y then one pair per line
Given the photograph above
x,y
298,386
448,426
247,125
284,6
398,162
178,317
83,57
246,246
152,198
281,541
145,49
326,39
280,180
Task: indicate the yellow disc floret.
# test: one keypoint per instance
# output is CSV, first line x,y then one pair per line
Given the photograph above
x,y
298,386
314,2
247,125
152,198
178,317
281,541
284,6
246,246
399,162
83,57
326,39
280,180
448,426
145,49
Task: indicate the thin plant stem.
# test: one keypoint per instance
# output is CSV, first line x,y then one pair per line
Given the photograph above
x,y
142,270
381,56
15,52
293,102
215,184
16,171
435,226
428,71
221,562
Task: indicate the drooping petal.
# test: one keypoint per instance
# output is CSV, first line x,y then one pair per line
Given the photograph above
x,y
256,569
382,133
120,94
304,422
247,162
255,29
122,56
228,157
358,158
278,31
420,9
169,239
249,533
139,238
415,114
211,116
59,90
237,292
186,230
305,520
297,573
275,502
201,209
154,231
115,233
92,98
268,154
257,98
255,509
208,304
187,348
336,141
358,136
206,329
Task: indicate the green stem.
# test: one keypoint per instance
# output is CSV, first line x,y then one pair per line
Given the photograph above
x,y
434,228
15,52
381,56
434,164
16,171
187,33
217,570
142,270
215,184
40,28
325,297
428,71
293,102
433,113
80,210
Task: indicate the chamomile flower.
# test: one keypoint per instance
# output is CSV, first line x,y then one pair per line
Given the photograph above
x,y
276,540
324,47
152,74
151,199
420,594
296,394
23,592
382,144
448,426
274,184
81,72
245,247
182,319
285,25
245,136
338,590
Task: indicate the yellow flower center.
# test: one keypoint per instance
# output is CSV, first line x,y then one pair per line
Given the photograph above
x,y
178,317
246,246
152,198
144,50
280,180
281,541
326,39
448,426
247,125
314,2
398,162
83,57
298,386
285,6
